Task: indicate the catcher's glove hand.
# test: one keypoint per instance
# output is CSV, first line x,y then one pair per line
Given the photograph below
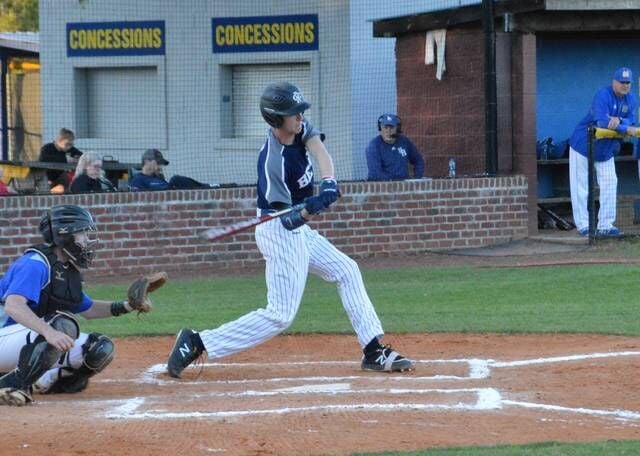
x,y
138,290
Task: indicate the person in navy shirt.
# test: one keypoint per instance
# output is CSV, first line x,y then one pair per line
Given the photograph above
x,y
151,177
390,153
40,296
613,107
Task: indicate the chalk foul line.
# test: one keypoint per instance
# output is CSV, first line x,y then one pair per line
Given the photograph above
x,y
487,398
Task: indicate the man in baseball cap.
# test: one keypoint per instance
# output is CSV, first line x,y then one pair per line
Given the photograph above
x,y
391,154
154,155
623,75
614,107
151,177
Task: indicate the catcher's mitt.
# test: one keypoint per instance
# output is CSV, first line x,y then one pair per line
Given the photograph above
x,y
138,290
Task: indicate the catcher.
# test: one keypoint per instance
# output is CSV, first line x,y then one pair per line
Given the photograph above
x,y
41,346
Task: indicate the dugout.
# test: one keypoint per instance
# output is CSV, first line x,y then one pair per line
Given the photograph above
x,y
20,114
186,79
551,57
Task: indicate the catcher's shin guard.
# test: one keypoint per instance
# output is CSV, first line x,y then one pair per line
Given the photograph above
x,y
187,348
34,360
98,352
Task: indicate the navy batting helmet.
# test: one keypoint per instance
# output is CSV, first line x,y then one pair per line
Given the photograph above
x,y
58,226
390,119
281,99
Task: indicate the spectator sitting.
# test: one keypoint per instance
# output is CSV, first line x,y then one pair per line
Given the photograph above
x,y
61,150
389,153
151,177
89,177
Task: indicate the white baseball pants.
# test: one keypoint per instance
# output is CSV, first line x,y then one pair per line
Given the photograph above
x,y
579,185
289,256
14,337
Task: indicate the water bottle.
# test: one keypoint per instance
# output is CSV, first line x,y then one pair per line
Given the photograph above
x,y
452,168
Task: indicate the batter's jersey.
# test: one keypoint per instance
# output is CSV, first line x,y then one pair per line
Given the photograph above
x,y
285,174
26,277
605,104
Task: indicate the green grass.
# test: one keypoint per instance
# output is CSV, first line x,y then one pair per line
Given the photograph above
x,y
575,299
609,448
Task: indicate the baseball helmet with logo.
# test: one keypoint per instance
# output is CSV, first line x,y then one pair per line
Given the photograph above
x,y
281,99
58,227
390,119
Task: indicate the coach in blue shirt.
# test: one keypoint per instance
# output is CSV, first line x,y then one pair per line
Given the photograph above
x,y
613,107
390,153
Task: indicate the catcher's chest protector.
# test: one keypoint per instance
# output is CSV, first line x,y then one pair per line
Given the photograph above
x,y
64,290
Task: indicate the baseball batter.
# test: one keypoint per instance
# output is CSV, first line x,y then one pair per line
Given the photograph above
x,y
41,346
290,247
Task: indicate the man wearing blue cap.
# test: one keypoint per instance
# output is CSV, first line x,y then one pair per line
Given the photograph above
x,y
390,153
613,107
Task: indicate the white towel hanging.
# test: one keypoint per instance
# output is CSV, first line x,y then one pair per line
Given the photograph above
x,y
438,39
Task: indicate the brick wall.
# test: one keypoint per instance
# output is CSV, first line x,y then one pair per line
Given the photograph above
x,y
444,118
158,230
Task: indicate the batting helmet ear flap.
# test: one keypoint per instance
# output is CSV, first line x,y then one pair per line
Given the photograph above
x,y
274,120
45,228
380,122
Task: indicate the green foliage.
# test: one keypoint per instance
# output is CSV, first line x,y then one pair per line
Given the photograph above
x,y
19,16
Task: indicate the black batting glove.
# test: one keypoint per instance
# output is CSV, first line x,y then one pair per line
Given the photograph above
x,y
314,205
329,191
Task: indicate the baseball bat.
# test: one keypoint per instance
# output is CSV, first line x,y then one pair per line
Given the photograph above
x,y
605,133
213,234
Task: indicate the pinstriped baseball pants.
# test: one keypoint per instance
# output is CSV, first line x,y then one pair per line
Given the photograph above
x,y
579,185
289,256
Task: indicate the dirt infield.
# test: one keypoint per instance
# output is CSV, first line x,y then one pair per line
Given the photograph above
x,y
307,395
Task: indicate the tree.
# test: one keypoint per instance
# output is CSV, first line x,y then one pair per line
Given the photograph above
x,y
19,15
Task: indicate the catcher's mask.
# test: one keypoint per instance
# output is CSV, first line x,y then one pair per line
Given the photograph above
x,y
281,99
72,229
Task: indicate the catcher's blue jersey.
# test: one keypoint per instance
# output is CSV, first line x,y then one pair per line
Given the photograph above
x,y
285,174
26,277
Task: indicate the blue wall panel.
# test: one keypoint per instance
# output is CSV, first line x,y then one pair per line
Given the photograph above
x,y
570,71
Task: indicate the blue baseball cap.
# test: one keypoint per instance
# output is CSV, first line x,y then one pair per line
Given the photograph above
x,y
389,119
623,75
